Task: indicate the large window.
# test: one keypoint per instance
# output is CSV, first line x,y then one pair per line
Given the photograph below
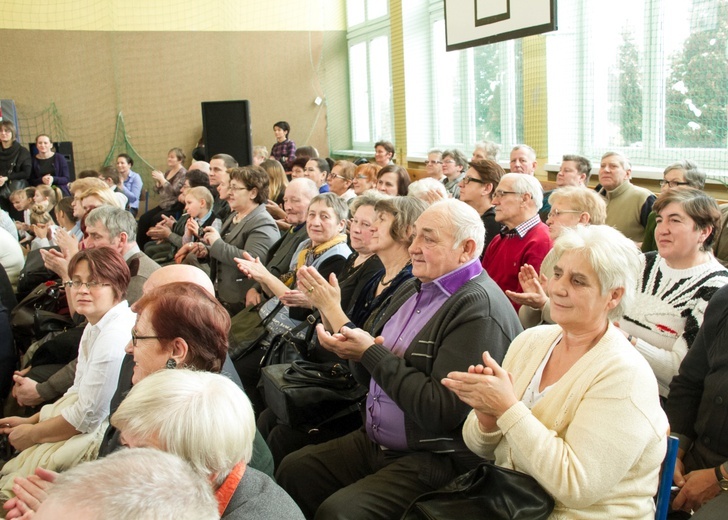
x,y
370,83
645,77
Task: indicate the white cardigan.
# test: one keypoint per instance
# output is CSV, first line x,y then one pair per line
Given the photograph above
x,y
595,441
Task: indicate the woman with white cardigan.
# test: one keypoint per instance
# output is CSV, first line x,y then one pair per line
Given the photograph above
x,y
575,405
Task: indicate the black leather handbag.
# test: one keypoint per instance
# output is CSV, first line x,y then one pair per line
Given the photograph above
x,y
306,394
247,329
288,347
488,492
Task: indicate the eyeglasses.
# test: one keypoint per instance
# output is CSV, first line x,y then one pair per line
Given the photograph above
x,y
89,285
135,337
361,177
673,184
557,212
432,162
497,194
336,176
467,180
449,161
237,188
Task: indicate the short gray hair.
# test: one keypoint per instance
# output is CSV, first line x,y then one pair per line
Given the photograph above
x,y
134,483
419,188
583,199
615,259
490,149
333,201
308,187
622,159
115,220
530,151
693,176
200,416
526,184
466,223
368,198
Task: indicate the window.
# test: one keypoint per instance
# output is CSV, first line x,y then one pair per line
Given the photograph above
x,y
648,78
370,83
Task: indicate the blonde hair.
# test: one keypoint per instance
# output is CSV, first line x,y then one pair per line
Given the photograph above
x,y
39,215
201,193
86,184
582,199
105,194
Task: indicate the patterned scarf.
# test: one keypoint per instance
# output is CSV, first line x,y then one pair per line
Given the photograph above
x,y
308,255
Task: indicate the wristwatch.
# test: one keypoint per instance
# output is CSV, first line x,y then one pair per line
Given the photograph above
x,y
722,481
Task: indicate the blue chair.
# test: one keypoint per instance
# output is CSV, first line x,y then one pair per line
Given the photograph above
x,y
668,470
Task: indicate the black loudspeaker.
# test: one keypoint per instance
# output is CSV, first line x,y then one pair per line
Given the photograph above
x,y
65,148
226,129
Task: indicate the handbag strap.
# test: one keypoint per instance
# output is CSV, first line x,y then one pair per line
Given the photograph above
x,y
320,374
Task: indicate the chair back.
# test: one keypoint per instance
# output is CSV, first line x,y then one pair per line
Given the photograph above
x,y
668,470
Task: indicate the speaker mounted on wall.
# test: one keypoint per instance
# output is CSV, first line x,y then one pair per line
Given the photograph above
x,y
226,129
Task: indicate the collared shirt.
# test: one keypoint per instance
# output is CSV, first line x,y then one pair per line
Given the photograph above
x,y
385,420
99,362
76,231
521,229
324,188
133,188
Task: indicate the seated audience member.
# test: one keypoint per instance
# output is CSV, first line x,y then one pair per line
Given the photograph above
x,y
193,179
298,167
11,257
67,219
485,150
476,190
277,183
325,249
42,228
130,485
545,407
523,159
220,165
131,182
46,197
248,229
384,153
677,282
111,177
284,150
428,190
341,178
307,152
197,216
697,414
21,201
393,180
412,440
299,193
260,155
628,206
575,170
365,178
179,307
318,171
49,168
167,185
206,420
68,431
356,300
454,164
523,239
682,174
433,165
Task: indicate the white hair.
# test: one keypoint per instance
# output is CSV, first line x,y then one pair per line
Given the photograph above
x,y
466,223
308,187
526,184
140,483
421,187
615,259
200,416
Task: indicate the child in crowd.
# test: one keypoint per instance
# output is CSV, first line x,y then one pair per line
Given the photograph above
x,y
22,200
46,197
42,226
198,206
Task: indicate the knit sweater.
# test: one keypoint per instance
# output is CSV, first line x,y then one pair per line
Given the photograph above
x,y
505,255
595,441
668,311
628,207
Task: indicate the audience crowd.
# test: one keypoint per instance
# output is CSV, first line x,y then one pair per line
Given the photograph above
x,y
562,333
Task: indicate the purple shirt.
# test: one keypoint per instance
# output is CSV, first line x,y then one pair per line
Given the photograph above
x,y
284,153
385,420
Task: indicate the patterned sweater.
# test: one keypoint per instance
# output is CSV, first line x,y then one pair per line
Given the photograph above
x,y
668,312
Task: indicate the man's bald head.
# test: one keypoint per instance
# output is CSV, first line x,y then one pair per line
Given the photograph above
x,y
179,273
203,166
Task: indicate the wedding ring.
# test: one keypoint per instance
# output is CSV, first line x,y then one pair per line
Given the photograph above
x,y
310,289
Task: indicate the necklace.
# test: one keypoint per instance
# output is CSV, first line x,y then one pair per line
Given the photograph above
x,y
384,284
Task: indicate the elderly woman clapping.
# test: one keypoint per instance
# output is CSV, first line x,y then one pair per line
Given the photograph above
x,y
574,405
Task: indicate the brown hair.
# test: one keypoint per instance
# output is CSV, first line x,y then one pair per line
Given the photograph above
x,y
489,171
252,177
406,210
105,265
700,207
403,178
187,311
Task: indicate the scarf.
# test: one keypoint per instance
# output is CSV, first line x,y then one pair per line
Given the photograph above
x,y
308,255
225,492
